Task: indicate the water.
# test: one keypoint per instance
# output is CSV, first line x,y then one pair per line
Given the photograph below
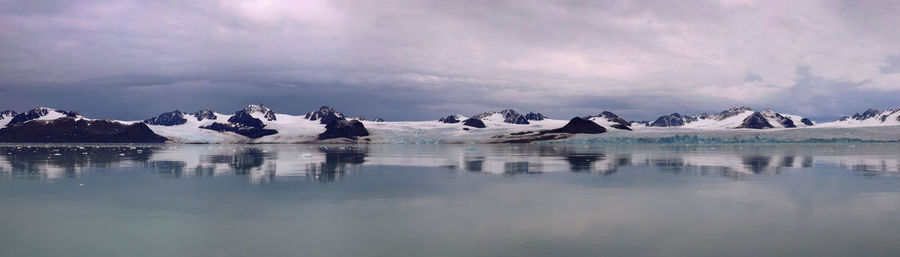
x,y
450,200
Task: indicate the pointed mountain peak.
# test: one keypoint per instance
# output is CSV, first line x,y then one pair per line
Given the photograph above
x,y
325,115
172,118
268,113
205,114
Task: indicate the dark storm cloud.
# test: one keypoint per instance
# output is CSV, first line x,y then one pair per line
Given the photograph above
x,y
414,60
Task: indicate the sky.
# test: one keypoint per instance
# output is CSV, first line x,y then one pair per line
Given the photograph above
x,y
420,60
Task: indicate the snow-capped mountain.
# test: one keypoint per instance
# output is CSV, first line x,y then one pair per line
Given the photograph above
x,y
740,117
40,113
609,119
253,124
47,125
507,116
325,115
869,118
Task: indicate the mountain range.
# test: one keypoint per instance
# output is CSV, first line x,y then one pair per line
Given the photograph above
x,y
261,124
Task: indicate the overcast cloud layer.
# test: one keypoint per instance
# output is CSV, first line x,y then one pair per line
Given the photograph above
x,y
416,60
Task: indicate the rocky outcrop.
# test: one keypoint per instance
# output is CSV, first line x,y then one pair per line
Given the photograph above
x,y
72,130
325,115
535,116
205,114
267,112
349,129
509,116
243,123
578,125
671,120
451,119
172,118
780,119
378,120
243,118
575,126
473,122
617,121
251,132
807,122
755,121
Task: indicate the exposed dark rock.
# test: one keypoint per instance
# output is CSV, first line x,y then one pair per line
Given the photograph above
x,y
268,113
578,125
350,129
671,120
724,114
451,119
612,117
167,119
535,116
807,122
247,131
509,116
205,114
359,118
755,121
867,114
244,119
473,122
325,115
37,113
71,130
378,120
620,126
781,119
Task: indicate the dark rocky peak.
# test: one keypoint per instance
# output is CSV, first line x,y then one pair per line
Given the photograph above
x,y
781,119
37,113
535,116
244,119
866,115
172,118
807,122
205,114
455,118
612,117
379,119
473,122
325,115
579,125
672,120
350,129
730,112
359,118
755,121
509,116
268,113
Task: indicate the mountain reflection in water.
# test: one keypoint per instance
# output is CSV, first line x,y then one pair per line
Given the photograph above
x,y
328,163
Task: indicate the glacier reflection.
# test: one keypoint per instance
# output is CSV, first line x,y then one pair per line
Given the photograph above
x,y
327,163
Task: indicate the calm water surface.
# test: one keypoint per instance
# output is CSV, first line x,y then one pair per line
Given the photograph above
x,y
450,200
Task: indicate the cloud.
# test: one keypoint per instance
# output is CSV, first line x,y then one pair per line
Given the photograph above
x,y
423,59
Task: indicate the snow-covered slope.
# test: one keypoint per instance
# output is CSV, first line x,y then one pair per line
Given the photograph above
x,y
40,113
5,117
869,118
742,117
